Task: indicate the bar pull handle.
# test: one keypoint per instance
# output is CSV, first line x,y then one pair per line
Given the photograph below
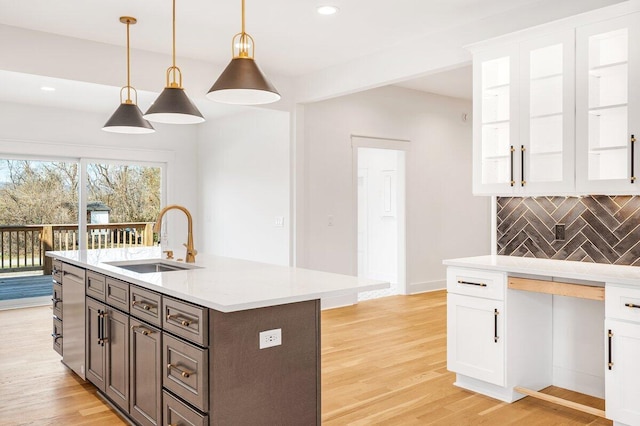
x,y
633,158
56,300
183,373
512,150
522,181
471,283
143,305
56,336
141,330
632,305
177,318
610,335
100,328
495,325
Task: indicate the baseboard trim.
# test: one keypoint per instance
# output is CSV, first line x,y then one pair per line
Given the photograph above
x,y
424,287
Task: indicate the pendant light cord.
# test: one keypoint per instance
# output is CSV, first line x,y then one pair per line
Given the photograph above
x,y
174,35
243,31
128,66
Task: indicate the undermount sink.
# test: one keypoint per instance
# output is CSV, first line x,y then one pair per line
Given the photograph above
x,y
152,265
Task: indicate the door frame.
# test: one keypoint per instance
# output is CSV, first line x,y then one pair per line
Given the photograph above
x,y
363,141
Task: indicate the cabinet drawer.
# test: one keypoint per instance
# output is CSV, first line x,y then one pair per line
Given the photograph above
x,y
145,304
57,335
176,412
185,320
622,303
56,300
117,294
474,282
96,285
186,371
56,272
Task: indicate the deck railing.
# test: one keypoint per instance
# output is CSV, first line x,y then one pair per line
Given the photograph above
x,y
22,247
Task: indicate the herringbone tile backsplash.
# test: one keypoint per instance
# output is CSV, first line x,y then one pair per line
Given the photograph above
x,y
601,229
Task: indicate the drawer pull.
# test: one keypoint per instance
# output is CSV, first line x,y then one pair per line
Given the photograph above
x,y
56,336
177,318
56,300
141,330
631,305
183,373
610,336
143,305
471,283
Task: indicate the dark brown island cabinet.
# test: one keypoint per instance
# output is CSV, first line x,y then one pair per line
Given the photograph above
x,y
160,360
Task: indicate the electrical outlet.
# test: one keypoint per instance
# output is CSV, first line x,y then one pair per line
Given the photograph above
x,y
279,222
270,338
560,232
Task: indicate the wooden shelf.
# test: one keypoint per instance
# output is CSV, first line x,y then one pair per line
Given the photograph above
x,y
558,288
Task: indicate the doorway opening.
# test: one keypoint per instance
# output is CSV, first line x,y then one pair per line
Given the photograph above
x,y
381,218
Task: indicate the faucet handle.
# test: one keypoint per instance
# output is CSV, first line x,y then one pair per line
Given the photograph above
x,y
192,251
169,254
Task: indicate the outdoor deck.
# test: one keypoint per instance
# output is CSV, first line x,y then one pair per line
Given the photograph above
x,y
25,286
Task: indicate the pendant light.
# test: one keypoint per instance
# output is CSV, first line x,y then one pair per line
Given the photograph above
x,y
128,117
242,82
173,106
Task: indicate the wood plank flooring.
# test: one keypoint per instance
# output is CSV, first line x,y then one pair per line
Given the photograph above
x,y
383,362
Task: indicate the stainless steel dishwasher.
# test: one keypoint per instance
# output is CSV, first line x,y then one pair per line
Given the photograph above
x,y
73,325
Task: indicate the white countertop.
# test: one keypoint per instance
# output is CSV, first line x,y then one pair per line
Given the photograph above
x,y
224,284
620,274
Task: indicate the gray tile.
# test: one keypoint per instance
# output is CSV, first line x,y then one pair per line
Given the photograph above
x,y
595,208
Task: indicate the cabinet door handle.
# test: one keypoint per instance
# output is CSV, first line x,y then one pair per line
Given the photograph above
x,y
495,325
141,330
633,158
183,373
471,283
610,335
512,150
56,336
632,305
56,300
143,305
522,181
100,328
178,318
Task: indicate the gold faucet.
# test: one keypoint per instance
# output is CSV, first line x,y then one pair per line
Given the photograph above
x,y
191,252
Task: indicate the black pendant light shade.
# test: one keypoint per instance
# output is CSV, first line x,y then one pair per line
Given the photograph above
x,y
128,119
243,83
173,106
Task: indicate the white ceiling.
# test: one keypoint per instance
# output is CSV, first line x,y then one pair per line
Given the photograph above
x,y
292,40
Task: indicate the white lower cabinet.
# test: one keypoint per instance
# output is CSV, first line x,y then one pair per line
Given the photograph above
x,y
475,343
622,376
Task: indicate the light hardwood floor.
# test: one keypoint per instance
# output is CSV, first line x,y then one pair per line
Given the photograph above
x,y
383,362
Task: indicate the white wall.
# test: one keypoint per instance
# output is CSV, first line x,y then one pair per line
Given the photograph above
x,y
48,132
443,219
243,163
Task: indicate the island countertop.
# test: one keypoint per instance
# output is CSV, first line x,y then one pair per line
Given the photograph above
x,y
620,274
222,283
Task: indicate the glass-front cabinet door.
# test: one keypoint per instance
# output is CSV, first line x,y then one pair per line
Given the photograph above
x,y
546,148
607,106
495,85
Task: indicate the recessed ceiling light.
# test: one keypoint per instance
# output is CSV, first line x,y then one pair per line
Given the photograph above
x,y
327,10
48,89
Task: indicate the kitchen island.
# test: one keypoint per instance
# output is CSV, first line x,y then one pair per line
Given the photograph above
x,y
224,341
518,325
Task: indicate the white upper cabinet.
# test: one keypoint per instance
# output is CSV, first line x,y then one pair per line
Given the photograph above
x,y
524,118
547,114
607,109
557,113
495,86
